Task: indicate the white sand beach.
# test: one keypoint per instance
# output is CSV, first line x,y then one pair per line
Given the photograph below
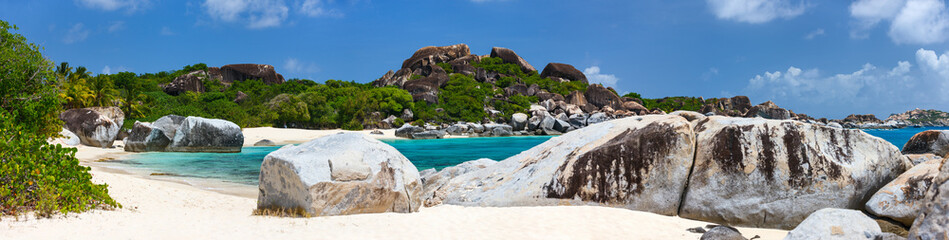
x,y
156,209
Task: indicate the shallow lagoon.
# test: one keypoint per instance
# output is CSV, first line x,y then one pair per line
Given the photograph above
x,y
244,167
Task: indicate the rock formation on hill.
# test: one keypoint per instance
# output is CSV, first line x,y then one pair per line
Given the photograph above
x,y
227,75
919,117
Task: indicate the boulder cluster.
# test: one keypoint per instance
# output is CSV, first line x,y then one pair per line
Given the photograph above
x,y
95,126
175,133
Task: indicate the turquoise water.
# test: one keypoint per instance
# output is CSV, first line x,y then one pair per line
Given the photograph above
x,y
244,167
899,137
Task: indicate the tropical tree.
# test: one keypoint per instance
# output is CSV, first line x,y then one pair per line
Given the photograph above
x,y
103,91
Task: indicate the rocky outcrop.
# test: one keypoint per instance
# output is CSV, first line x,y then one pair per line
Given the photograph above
x,y
563,71
191,82
601,97
830,223
93,126
933,220
857,118
508,56
770,173
240,97
196,134
768,110
433,180
920,117
426,88
639,163
902,198
429,56
734,107
239,72
929,141
424,63
340,174
518,121
145,137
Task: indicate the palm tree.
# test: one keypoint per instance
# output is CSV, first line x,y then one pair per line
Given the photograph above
x,y
103,91
63,70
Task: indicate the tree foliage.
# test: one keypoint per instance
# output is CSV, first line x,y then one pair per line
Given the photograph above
x,y
35,175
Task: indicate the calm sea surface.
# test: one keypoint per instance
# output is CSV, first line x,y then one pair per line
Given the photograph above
x,y
244,167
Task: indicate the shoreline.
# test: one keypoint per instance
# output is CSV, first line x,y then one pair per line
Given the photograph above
x,y
161,209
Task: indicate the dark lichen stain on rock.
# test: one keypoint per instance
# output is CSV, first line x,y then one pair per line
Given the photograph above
x,y
921,142
766,160
916,187
617,170
801,168
727,150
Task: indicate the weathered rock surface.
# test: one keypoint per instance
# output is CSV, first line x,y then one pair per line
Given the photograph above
x,y
433,180
340,174
638,163
429,134
239,72
831,223
509,56
428,56
145,137
563,70
93,126
197,134
929,141
770,173
768,110
933,220
518,121
902,198
921,158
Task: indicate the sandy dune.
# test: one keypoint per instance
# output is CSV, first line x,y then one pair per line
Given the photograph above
x,y
154,209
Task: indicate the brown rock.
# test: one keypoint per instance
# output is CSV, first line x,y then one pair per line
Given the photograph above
x,y
601,97
191,82
565,71
429,56
509,56
239,72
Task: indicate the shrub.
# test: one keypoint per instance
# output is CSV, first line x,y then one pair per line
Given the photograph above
x,y
35,175
398,122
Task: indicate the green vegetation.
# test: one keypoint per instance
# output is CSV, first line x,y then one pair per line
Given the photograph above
x,y
512,74
34,175
670,104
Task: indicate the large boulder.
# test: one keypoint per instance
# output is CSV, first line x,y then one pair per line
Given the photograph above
x,y
519,121
773,174
638,163
929,141
736,106
239,72
197,134
93,126
191,82
902,198
146,138
168,125
508,56
933,220
66,138
430,134
426,88
831,223
340,174
601,97
564,71
407,130
434,180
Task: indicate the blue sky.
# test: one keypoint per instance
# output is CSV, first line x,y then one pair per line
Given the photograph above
x,y
823,58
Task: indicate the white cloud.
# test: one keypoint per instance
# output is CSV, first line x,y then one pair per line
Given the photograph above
x,y
815,33
594,76
911,21
116,26
755,11
295,66
255,13
709,74
317,8
112,5
106,70
77,33
167,31
867,90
